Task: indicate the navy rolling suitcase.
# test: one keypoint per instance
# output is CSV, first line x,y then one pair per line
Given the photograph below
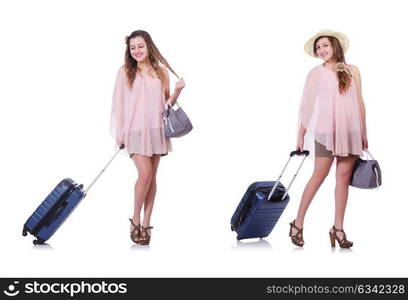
x,y
262,205
56,208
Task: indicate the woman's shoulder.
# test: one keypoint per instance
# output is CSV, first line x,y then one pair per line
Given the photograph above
x,y
121,73
122,69
164,75
353,69
351,66
163,72
314,71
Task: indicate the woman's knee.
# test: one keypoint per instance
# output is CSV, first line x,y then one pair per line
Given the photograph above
x,y
145,176
343,176
344,170
153,182
321,169
319,177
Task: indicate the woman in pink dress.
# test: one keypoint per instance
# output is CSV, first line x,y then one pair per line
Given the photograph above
x,y
331,125
140,94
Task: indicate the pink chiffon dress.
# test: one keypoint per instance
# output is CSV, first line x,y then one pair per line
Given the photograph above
x,y
136,116
331,119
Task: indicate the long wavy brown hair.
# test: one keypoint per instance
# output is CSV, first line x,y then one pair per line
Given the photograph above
x,y
338,56
154,56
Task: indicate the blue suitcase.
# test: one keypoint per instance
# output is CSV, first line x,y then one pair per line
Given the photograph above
x,y
262,205
56,208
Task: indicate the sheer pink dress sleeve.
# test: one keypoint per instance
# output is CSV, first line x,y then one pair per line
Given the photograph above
x,y
117,127
330,118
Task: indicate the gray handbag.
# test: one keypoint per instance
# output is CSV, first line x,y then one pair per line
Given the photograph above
x,y
366,173
176,122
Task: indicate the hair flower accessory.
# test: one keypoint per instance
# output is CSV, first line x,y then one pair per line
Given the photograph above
x,y
342,67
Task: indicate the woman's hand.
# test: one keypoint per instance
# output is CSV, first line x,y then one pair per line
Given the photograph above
x,y
300,143
180,85
364,141
120,142
177,90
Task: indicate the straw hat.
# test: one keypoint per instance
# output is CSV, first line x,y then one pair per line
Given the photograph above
x,y
344,41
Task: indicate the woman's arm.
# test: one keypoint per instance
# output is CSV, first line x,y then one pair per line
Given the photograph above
x,y
307,105
117,111
301,138
177,90
356,74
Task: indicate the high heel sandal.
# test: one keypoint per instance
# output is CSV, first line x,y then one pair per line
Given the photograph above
x,y
144,235
135,233
343,243
297,238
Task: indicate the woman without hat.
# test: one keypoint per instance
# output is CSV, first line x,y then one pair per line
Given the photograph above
x,y
141,91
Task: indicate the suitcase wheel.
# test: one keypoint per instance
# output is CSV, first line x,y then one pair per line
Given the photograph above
x,y
38,242
24,232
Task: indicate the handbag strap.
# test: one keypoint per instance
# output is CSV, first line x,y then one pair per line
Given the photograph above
x,y
369,154
166,115
376,176
167,104
167,122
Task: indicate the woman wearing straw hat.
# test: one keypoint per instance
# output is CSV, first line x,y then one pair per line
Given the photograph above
x,y
332,125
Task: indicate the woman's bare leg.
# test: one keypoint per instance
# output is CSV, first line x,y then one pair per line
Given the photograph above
x,y
149,201
145,172
321,169
343,175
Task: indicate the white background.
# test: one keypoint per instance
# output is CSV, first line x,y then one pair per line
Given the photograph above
x,y
244,66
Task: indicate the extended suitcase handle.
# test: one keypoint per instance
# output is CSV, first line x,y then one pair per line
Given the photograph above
x,y
103,170
293,153
298,152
